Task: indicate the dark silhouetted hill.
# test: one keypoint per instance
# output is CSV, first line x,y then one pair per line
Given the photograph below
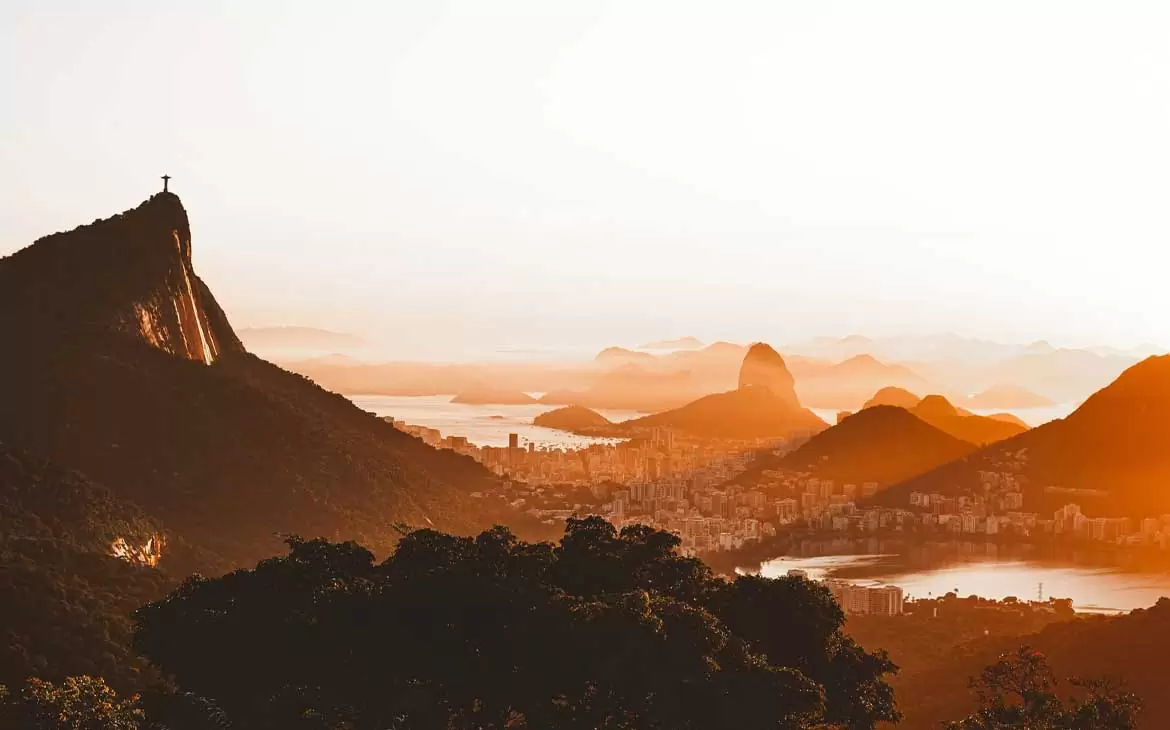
x,y
1129,648
981,430
66,601
119,363
893,396
884,444
575,419
1109,455
747,413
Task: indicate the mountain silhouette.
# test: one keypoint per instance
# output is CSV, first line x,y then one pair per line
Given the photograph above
x,y
575,419
764,406
884,444
120,364
764,368
1109,455
893,396
981,430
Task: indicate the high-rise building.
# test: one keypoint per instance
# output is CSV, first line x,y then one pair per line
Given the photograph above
x,y
513,441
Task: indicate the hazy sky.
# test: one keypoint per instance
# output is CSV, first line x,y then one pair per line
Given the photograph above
x,y
463,175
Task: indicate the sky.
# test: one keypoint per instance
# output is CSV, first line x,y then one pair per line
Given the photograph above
x,y
455,177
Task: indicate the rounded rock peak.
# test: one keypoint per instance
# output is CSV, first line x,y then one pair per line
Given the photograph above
x,y
936,406
764,368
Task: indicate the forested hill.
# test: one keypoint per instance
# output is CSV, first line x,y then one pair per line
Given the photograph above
x,y
119,363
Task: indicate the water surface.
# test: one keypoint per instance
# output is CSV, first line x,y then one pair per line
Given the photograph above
x,y
1094,585
483,425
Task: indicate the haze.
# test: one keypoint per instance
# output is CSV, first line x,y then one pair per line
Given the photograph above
x,y
459,177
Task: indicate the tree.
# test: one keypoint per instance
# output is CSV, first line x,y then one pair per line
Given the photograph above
x,y
603,630
78,703
1018,691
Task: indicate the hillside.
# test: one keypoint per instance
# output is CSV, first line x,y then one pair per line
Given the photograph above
x,y
980,430
67,600
1113,445
893,396
1129,648
575,419
883,444
747,413
119,363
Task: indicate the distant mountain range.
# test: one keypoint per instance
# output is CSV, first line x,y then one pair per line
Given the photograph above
x,y
118,363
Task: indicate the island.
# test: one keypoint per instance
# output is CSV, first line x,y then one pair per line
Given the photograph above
x,y
495,397
574,419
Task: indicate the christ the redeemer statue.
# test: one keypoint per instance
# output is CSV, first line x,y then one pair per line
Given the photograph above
x,y
165,179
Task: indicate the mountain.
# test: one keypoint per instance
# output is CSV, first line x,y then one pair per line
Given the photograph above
x,y
764,368
884,444
120,364
67,600
847,384
574,419
621,356
1005,395
764,406
682,343
631,387
940,413
1109,455
304,339
1063,375
893,396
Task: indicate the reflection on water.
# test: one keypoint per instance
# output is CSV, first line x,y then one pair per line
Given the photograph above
x,y
1096,581
483,425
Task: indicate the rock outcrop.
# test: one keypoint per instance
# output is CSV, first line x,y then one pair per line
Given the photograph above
x,y
764,368
118,363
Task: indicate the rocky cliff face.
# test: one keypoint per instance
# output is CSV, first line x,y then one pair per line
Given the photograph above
x,y
118,363
130,274
764,368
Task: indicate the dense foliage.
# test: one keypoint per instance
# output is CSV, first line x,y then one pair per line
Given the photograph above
x,y
1019,691
65,604
604,630
77,703
946,640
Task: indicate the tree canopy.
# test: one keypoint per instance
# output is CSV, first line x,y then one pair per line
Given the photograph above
x,y
1019,691
606,629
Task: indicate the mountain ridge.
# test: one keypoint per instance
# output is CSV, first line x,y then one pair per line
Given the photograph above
x,y
227,450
